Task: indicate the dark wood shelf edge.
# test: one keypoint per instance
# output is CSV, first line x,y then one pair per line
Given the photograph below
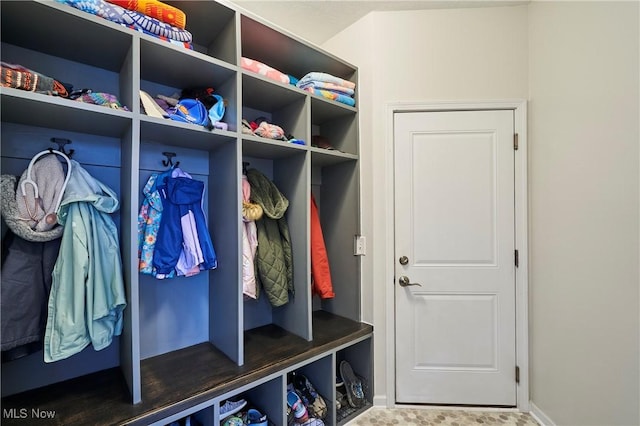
x,y
176,381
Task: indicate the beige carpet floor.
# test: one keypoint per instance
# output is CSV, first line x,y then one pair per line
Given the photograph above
x,y
426,416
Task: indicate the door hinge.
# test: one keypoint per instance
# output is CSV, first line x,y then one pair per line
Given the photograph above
x,y
515,141
517,374
517,259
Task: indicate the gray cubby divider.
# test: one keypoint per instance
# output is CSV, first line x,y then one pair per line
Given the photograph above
x,y
130,340
225,294
189,343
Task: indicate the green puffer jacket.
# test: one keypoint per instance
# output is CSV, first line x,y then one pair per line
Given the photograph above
x,y
274,258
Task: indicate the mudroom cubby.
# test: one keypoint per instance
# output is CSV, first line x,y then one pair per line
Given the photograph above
x,y
286,53
277,103
335,187
213,26
318,374
289,173
336,123
188,344
100,155
266,396
358,356
168,71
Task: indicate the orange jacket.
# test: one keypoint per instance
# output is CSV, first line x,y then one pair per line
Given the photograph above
x,y
320,271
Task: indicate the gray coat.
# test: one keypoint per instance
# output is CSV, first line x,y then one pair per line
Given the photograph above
x,y
274,257
26,283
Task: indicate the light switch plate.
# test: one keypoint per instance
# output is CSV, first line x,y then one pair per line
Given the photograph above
x,y
359,245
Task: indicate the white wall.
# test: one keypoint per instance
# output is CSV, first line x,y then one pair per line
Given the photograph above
x,y
420,56
578,65
583,178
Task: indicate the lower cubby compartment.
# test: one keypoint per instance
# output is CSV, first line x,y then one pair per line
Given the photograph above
x,y
313,384
195,380
357,368
261,404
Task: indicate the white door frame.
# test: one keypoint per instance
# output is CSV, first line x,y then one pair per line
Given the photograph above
x,y
521,209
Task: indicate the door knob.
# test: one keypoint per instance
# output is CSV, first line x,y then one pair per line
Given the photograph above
x,y
404,282
403,260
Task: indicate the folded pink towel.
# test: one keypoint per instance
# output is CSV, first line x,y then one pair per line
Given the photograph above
x,y
264,70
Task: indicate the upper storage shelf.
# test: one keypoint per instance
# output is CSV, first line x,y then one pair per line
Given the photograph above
x,y
287,54
37,26
31,37
19,106
178,67
213,27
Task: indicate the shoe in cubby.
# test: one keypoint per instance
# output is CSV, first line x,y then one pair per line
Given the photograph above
x,y
297,407
353,385
233,421
254,417
313,401
231,407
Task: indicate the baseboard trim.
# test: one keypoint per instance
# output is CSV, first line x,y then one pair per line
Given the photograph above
x,y
540,416
380,401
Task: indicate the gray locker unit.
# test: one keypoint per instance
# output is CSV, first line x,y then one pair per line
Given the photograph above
x,y
190,343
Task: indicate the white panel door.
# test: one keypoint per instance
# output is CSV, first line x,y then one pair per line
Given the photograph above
x,y
454,223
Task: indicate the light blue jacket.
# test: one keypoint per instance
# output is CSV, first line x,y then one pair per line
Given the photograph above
x,y
87,293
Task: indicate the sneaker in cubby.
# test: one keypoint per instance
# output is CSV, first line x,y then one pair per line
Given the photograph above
x,y
231,407
297,407
255,418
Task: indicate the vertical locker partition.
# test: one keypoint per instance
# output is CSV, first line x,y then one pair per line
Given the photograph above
x,y
190,343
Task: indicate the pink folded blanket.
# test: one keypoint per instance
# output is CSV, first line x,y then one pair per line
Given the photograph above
x,y
264,70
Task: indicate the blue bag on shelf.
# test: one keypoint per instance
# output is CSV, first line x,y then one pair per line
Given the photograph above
x,y
191,111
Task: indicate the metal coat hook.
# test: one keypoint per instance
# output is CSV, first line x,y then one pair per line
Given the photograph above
x,y
169,161
61,142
